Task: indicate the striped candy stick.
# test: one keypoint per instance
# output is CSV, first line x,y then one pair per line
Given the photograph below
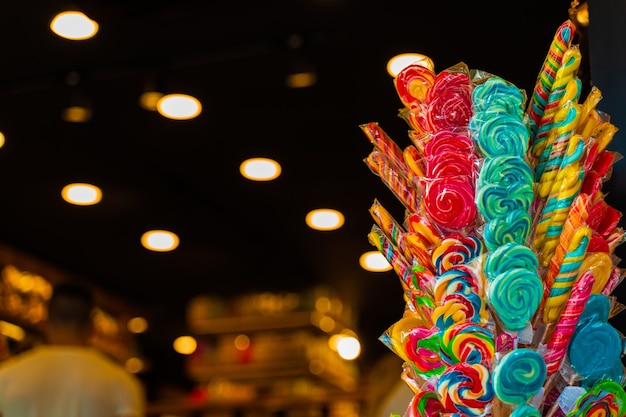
x,y
402,188
558,96
566,187
576,217
413,250
385,145
554,153
564,329
563,282
561,41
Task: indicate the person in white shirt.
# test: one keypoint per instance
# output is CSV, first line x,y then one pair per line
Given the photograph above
x,y
67,377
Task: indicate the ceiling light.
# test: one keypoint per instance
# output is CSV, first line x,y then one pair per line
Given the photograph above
x,y
185,345
401,61
179,106
324,219
159,240
137,325
74,26
149,99
81,194
1,139
301,79
374,261
76,114
260,169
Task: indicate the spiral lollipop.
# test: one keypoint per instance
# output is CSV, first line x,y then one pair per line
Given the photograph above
x,y
456,250
508,256
500,95
515,296
518,376
467,342
449,202
413,82
425,404
514,227
498,133
449,103
525,410
606,398
465,388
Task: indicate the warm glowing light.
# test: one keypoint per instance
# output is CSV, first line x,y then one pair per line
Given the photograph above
x,y
179,106
160,240
242,342
134,365
327,324
137,325
260,169
1,139
324,219
349,347
76,114
301,79
81,194
73,25
149,100
12,331
323,304
399,62
374,261
185,345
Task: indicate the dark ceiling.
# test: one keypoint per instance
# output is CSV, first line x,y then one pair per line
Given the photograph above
x,y
237,236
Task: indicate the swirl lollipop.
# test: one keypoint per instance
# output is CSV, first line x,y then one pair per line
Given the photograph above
x,y
449,103
514,227
467,342
413,82
456,250
497,93
525,410
606,399
421,347
465,388
509,256
497,133
449,202
515,296
519,376
425,404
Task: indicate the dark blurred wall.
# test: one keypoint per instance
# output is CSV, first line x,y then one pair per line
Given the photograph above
x,y
607,50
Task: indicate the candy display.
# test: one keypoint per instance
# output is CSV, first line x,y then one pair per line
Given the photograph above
x,y
505,250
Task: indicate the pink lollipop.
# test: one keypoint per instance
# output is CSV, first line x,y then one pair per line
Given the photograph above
x,y
449,102
425,404
449,202
466,388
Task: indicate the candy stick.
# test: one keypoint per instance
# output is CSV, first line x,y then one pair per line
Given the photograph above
x,y
603,134
398,262
385,145
560,43
613,282
412,249
558,95
426,232
566,324
589,117
563,282
394,180
577,216
566,120
414,161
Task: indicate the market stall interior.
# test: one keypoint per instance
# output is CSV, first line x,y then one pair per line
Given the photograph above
x,y
237,236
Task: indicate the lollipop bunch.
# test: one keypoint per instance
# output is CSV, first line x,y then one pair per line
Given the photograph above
x,y
506,250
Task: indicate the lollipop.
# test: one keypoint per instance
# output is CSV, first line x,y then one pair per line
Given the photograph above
x,y
498,94
413,82
421,347
606,398
600,338
525,410
425,404
515,296
497,133
449,202
514,227
465,388
467,342
456,250
518,376
449,103
508,256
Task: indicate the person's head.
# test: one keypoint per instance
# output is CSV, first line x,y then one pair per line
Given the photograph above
x,y
69,310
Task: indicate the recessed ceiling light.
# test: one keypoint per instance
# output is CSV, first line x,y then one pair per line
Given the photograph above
x,y
301,79
374,261
81,194
160,240
324,219
1,139
401,61
260,169
73,25
179,106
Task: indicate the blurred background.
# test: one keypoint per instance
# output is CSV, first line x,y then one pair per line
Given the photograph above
x,y
261,298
